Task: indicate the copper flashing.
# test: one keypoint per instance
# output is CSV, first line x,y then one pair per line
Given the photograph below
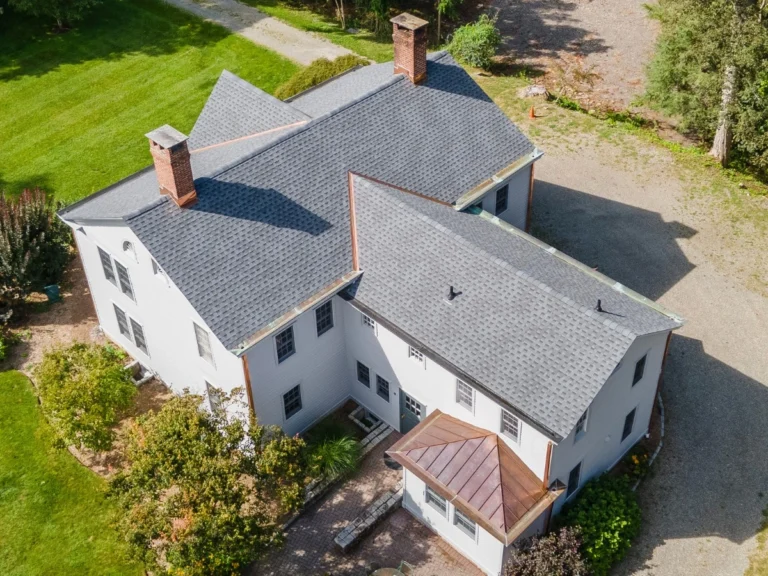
x,y
477,472
353,221
400,188
257,134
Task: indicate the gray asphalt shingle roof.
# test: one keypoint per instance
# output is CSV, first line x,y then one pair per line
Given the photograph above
x,y
524,325
273,230
237,108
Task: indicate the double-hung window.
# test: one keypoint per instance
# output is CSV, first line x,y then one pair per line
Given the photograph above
x,y
510,425
292,401
125,280
502,196
106,265
465,395
382,387
581,425
131,329
436,501
465,523
324,317
363,374
629,423
285,344
573,480
203,344
639,370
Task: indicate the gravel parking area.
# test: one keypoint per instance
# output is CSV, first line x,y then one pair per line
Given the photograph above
x,y
703,503
616,37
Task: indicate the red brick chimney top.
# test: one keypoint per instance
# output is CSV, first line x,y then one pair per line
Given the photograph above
x,y
409,35
173,167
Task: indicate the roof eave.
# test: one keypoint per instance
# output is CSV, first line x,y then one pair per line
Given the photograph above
x,y
485,186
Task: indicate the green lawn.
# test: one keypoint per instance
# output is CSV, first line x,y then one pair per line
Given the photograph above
x,y
364,43
53,515
75,106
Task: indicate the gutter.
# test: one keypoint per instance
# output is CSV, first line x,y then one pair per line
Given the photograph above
x,y
487,185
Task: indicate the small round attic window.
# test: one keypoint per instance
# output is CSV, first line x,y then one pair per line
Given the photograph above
x,y
129,250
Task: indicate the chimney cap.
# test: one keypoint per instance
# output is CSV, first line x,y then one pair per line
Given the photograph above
x,y
167,136
408,21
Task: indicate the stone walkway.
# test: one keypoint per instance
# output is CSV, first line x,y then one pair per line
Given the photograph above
x,y
310,550
298,45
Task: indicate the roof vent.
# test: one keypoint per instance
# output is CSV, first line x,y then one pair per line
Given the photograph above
x,y
599,306
452,294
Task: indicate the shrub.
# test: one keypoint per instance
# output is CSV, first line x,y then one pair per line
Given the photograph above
x,y
83,389
556,554
476,43
34,245
637,462
199,497
334,456
608,515
63,11
319,71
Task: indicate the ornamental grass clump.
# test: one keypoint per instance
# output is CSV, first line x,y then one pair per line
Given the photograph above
x,y
34,245
84,390
608,516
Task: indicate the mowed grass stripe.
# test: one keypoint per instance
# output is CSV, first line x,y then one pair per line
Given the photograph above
x,y
77,105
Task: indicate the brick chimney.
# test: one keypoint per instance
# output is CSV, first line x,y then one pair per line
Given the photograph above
x,y
172,164
409,34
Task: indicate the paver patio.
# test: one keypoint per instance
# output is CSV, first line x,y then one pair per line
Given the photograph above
x,y
310,551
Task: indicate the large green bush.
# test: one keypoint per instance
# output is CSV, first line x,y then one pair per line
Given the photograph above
x,y
608,515
334,456
319,71
476,43
34,245
556,554
203,494
83,390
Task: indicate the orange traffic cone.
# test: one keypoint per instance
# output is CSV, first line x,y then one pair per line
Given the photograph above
x,y
531,113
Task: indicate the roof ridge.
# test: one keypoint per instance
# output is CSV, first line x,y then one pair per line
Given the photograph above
x,y
310,124
588,312
258,91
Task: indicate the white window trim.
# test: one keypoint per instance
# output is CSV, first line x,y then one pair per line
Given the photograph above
x,y
645,355
212,361
117,261
158,272
116,281
286,418
580,464
428,502
131,337
131,253
634,421
474,396
461,528
415,355
579,435
132,321
274,344
375,382
519,427
210,392
495,193
357,374
314,317
374,327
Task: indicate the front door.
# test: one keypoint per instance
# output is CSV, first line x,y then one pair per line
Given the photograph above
x,y
411,412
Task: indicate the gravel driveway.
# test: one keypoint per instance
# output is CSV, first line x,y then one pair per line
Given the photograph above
x,y
614,36
703,504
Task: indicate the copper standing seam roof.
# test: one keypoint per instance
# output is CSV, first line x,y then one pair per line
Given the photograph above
x,y
477,472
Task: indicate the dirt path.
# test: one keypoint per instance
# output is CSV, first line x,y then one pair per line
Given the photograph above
x,y
614,36
298,45
633,217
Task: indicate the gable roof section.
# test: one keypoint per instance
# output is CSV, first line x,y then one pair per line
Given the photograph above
x,y
269,232
477,472
524,325
237,108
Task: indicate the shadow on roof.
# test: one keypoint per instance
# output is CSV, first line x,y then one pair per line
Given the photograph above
x,y
264,205
454,79
631,245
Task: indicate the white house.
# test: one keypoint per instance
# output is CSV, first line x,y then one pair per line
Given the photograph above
x,y
366,239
